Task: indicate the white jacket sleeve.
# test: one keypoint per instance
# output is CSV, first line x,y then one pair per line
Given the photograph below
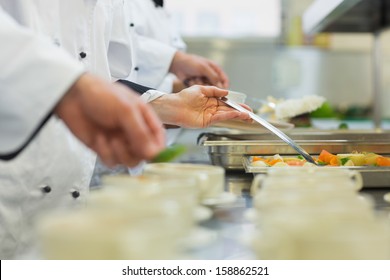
x,y
154,60
34,75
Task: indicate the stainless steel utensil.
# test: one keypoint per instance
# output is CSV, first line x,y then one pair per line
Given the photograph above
x,y
271,128
270,104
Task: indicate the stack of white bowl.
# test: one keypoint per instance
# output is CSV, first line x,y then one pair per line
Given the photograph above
x,y
316,213
210,180
128,218
144,217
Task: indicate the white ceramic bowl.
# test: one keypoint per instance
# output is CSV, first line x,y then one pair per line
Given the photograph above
x,y
210,179
92,235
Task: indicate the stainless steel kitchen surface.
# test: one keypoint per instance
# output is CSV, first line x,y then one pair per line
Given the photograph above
x,y
229,222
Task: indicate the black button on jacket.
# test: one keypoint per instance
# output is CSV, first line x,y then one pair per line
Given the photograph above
x,y
159,3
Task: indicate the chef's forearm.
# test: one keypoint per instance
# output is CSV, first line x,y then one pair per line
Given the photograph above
x,y
150,96
168,108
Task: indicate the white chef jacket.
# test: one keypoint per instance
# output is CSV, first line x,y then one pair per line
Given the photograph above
x,y
55,169
157,42
20,56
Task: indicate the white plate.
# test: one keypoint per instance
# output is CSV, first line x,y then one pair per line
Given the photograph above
x,y
254,127
202,213
223,199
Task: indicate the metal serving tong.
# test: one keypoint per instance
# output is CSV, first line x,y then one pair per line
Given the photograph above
x,y
271,128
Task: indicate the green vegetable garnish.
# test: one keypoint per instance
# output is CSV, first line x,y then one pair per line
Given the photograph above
x,y
325,111
344,160
321,163
170,153
300,157
343,126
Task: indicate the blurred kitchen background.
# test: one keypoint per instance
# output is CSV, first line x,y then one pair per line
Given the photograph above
x,y
262,47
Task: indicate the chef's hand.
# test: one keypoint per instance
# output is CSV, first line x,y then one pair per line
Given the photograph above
x,y
196,107
112,121
189,68
177,85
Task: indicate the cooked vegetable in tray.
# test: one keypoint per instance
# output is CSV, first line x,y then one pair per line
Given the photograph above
x,y
325,158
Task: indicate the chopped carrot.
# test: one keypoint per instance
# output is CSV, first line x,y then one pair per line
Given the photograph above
x,y
326,157
274,161
295,162
256,158
334,161
383,161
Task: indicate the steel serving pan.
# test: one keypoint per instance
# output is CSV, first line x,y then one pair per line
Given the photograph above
x,y
227,148
372,176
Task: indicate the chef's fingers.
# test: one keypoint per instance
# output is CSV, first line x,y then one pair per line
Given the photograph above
x,y
223,104
196,81
104,151
223,78
228,115
212,76
249,119
122,153
224,108
156,127
210,91
144,134
246,107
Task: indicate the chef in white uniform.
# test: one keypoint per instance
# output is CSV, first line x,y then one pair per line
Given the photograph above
x,y
160,49
55,169
152,26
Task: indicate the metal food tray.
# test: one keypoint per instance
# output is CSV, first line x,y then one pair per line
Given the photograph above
x,y
227,149
373,177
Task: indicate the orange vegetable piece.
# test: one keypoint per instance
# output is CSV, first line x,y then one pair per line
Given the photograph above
x,y
295,162
383,161
334,161
256,158
273,161
327,157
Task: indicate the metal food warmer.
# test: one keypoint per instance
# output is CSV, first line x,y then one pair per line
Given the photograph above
x,y
233,149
